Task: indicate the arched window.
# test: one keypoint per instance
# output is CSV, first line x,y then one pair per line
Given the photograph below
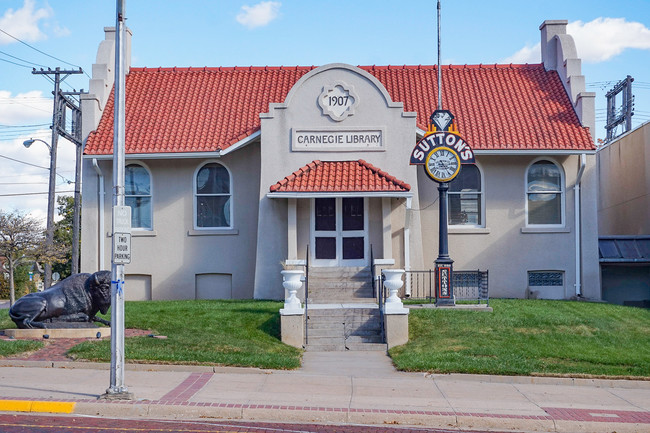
x,y
212,196
465,198
544,194
137,195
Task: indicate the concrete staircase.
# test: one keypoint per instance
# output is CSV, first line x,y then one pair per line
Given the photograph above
x,y
340,285
342,311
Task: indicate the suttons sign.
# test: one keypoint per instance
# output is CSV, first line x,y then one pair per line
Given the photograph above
x,y
442,139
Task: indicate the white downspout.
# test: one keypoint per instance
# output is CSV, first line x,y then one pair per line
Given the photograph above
x,y
576,193
100,198
407,248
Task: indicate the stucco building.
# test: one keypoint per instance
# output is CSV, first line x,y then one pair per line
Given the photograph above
x,y
232,171
623,224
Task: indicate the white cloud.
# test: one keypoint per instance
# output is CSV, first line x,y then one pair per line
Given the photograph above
x,y
528,54
603,38
596,41
24,108
258,15
23,23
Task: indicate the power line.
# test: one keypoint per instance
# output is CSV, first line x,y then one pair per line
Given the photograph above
x,y
22,60
18,194
42,52
14,63
24,162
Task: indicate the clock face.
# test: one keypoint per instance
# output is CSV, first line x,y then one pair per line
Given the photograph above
x,y
442,164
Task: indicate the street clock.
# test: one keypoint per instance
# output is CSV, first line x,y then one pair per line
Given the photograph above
x,y
442,164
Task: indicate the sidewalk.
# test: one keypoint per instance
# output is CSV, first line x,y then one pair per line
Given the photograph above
x,y
339,387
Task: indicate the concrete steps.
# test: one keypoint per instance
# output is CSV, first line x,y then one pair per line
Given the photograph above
x,y
340,285
339,329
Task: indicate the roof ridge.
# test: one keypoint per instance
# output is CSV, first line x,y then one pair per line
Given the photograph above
x,y
385,175
219,68
300,172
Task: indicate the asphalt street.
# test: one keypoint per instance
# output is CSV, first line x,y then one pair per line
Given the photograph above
x,y
52,424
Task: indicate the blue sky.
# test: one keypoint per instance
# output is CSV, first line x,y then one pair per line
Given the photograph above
x,y
613,38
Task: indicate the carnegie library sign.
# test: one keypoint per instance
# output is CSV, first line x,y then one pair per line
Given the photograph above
x,y
337,140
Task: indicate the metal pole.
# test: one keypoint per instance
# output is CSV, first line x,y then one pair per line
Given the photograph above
x,y
117,388
443,245
439,71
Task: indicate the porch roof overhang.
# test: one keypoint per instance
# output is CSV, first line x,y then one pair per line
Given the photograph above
x,y
338,179
339,194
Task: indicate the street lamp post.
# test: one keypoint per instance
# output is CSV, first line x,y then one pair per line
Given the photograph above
x,y
49,231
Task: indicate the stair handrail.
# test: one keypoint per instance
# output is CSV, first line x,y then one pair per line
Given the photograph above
x,y
307,296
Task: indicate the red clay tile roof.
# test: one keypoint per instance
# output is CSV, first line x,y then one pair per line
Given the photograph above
x,y
498,107
340,176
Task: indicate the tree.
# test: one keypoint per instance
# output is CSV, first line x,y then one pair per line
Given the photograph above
x,y
63,234
21,239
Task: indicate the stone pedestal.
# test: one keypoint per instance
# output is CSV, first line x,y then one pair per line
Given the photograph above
x,y
397,329
292,329
59,333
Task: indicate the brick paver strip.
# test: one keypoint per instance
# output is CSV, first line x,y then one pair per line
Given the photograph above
x,y
598,415
188,387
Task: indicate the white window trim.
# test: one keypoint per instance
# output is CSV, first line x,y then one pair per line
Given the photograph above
x,y
562,194
194,201
151,193
482,194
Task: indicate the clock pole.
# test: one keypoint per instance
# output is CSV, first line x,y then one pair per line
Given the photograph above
x,y
444,264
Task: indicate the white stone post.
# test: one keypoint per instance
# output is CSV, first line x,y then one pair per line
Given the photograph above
x,y
395,314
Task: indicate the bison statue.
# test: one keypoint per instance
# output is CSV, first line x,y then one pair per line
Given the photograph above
x,y
78,298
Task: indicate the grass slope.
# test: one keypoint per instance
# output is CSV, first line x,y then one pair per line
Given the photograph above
x,y
523,337
237,333
14,347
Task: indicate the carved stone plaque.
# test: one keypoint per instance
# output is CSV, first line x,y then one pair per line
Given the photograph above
x,y
338,101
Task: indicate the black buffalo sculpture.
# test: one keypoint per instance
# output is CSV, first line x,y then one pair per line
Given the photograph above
x,y
78,298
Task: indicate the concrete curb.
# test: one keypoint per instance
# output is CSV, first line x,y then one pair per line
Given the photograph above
x,y
352,416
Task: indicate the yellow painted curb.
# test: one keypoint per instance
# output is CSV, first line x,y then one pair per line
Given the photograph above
x,y
36,406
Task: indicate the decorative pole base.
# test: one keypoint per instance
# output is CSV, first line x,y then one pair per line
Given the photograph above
x,y
444,286
121,395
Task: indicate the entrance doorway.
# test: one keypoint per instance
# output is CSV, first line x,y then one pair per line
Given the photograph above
x,y
339,231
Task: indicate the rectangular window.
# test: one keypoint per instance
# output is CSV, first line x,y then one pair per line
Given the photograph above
x,y
545,278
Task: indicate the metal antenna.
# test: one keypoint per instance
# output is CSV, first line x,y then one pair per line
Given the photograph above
x,y
439,72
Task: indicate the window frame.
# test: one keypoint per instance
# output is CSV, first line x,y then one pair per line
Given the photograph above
x,y
195,195
481,194
151,193
561,192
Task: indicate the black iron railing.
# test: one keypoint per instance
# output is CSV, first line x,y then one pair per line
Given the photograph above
x,y
468,286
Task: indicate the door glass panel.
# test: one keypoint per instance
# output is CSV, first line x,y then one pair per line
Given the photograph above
x,y
353,213
325,248
325,213
352,248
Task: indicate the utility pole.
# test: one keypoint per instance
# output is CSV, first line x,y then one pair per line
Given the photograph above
x,y
57,118
75,138
620,115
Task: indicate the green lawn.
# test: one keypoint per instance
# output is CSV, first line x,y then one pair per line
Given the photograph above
x,y
14,347
238,333
523,337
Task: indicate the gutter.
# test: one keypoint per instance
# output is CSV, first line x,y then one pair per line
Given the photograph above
x,y
578,231
407,247
100,198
